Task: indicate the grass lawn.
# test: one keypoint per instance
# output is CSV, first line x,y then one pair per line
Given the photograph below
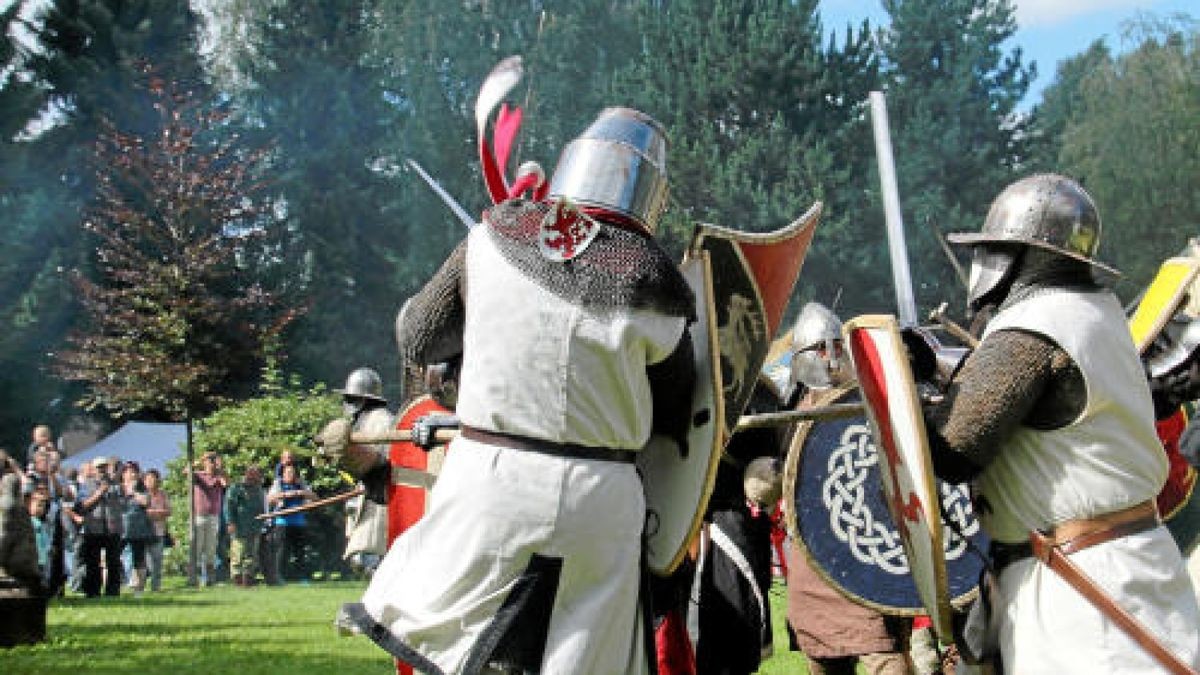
x,y
233,630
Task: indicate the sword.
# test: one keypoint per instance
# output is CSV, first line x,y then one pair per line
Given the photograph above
x,y
901,276
441,192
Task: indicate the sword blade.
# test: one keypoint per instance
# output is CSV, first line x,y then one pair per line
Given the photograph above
x,y
449,201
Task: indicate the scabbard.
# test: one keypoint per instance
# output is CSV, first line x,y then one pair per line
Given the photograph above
x,y
1050,555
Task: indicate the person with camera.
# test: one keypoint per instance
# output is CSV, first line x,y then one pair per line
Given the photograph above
x,y
208,494
138,531
100,503
290,490
159,511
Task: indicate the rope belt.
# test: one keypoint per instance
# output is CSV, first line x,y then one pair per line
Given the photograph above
x,y
1077,535
568,450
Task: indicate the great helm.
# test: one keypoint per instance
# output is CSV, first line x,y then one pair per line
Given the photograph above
x,y
619,165
815,339
364,383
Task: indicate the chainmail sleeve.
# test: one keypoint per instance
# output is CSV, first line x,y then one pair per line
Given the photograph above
x,y
429,328
1014,378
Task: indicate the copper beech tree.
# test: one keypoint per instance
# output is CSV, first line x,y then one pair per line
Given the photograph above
x,y
180,304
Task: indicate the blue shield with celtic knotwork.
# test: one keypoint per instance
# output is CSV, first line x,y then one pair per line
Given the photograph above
x,y
839,517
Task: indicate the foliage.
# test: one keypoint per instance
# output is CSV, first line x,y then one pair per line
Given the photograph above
x,y
257,431
753,139
323,110
80,67
178,312
1134,142
952,91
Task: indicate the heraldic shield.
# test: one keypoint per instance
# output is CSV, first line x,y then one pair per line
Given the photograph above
x,y
898,427
838,515
742,282
1165,295
413,469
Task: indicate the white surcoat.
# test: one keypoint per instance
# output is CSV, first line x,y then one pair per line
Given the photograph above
x,y
539,367
1104,461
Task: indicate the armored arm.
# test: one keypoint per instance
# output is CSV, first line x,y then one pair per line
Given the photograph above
x,y
429,328
1172,365
999,387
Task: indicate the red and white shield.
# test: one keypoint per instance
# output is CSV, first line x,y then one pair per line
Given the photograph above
x,y
894,408
413,470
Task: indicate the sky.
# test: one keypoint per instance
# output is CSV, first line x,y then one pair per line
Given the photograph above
x,y
1048,31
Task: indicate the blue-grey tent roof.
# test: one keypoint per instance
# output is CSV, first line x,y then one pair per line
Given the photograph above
x,y
150,444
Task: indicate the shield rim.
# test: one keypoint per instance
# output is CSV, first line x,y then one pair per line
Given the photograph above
x,y
807,222
715,421
941,613
1169,308
791,471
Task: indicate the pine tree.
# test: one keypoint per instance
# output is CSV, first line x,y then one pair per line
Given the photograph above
x,y
952,92
757,111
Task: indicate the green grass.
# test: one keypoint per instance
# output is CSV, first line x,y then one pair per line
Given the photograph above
x,y
234,630
224,629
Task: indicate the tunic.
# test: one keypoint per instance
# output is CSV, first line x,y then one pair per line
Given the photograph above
x,y
1108,459
522,550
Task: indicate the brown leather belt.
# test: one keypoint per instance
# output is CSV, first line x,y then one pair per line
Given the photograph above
x,y
1076,535
1053,554
568,450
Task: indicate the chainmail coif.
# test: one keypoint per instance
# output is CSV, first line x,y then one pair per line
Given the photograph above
x,y
621,268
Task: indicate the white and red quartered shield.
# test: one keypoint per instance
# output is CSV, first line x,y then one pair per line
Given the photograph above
x,y
414,470
742,282
892,405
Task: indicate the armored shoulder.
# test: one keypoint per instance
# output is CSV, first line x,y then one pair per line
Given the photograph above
x,y
617,268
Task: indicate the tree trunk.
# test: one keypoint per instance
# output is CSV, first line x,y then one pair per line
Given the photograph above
x,y
191,481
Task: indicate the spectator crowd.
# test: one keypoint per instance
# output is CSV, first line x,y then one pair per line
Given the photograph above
x,y
103,526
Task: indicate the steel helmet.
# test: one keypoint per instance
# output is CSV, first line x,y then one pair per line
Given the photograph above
x,y
816,338
1045,211
619,165
364,383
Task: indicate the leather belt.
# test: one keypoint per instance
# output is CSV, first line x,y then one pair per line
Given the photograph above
x,y
568,450
1053,556
1076,535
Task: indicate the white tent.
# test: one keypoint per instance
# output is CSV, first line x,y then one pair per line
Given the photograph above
x,y
150,444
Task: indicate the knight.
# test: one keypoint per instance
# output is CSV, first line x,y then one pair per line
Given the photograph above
x,y
366,523
1051,417
833,632
572,325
